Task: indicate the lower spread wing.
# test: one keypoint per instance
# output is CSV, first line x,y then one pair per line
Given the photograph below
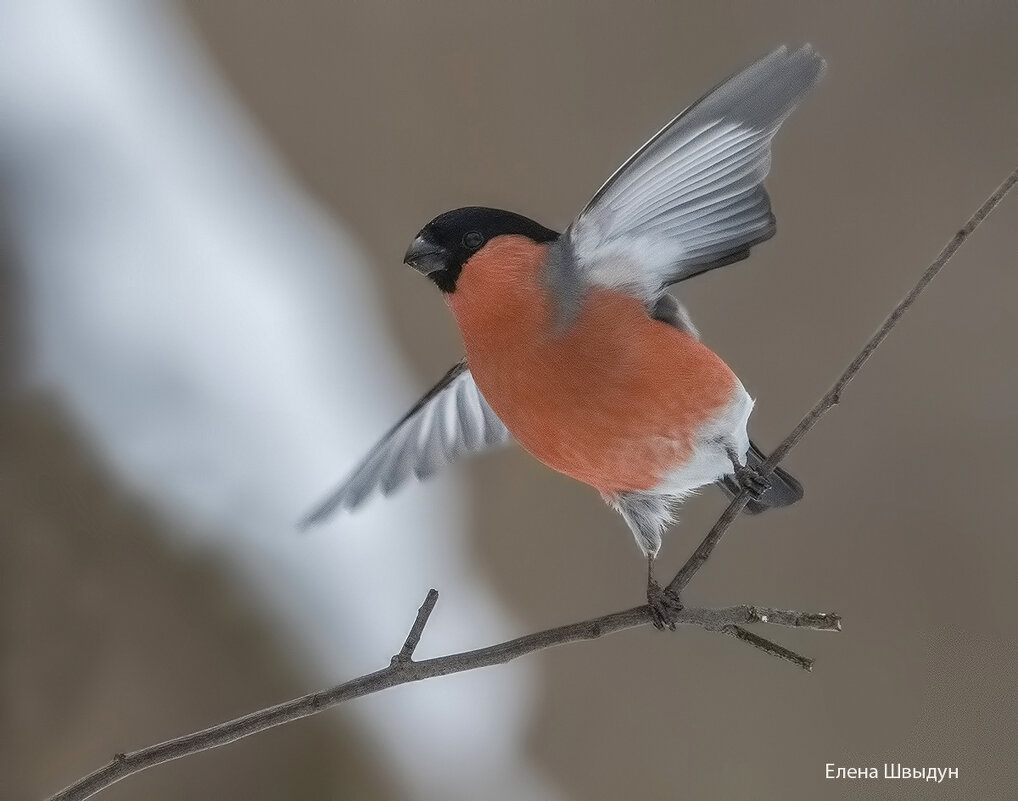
x,y
692,198
451,419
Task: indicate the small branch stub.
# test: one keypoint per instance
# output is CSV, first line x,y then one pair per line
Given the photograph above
x,y
406,653
765,645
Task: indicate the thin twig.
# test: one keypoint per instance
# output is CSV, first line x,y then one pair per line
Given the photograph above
x,y
833,396
403,669
407,651
768,647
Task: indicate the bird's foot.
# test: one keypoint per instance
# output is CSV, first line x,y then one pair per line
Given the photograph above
x,y
664,605
750,480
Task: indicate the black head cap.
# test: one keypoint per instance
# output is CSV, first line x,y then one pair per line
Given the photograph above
x,y
446,243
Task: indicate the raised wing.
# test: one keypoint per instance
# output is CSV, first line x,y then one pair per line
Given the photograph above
x,y
451,419
692,198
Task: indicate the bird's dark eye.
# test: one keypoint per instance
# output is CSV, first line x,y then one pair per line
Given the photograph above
x,y
472,240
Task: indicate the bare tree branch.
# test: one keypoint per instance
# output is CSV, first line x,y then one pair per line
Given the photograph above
x,y
403,669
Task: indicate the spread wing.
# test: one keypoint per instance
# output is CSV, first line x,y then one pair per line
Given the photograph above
x,y
692,198
451,419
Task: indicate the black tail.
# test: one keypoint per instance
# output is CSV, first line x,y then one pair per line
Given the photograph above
x,y
784,490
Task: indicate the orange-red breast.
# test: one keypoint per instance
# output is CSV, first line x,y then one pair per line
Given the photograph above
x,y
573,345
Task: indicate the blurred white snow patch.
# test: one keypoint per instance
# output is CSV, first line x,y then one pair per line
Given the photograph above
x,y
213,336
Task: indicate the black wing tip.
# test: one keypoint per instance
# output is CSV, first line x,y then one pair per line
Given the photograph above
x,y
310,521
773,86
319,515
809,68
804,54
808,52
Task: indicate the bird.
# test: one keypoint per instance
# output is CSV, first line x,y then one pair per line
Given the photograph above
x,y
576,349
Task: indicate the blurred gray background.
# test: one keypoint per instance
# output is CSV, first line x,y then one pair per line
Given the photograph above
x,y
389,113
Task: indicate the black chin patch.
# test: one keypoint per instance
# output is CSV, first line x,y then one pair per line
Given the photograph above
x,y
446,279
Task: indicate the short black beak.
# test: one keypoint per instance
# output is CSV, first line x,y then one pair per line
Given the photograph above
x,y
426,257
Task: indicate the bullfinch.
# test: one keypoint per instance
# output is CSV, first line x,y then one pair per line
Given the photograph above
x,y
575,348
